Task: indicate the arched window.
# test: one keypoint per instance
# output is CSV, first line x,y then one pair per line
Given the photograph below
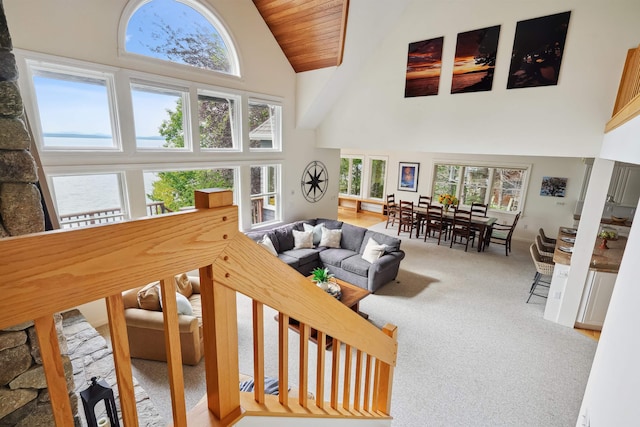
x,y
180,31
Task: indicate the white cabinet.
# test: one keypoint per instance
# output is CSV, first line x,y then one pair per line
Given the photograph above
x,y
595,299
626,185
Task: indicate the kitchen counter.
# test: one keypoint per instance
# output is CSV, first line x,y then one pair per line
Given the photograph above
x,y
608,221
604,260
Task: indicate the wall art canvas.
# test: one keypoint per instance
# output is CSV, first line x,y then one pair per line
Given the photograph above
x,y
538,47
408,176
553,186
424,62
475,60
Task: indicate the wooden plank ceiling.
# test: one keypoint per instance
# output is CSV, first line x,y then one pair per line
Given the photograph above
x,y
310,32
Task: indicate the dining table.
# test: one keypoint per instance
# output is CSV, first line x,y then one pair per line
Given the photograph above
x,y
482,223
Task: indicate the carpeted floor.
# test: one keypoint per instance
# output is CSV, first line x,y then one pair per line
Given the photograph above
x,y
471,352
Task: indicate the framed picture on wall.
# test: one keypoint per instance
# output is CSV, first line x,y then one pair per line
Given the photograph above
x,y
408,176
553,186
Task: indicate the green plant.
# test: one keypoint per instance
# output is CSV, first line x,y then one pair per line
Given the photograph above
x,y
321,275
607,234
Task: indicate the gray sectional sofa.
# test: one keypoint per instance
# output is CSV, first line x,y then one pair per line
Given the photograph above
x,y
345,262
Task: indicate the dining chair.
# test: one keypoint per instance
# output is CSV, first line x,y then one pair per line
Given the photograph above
x,y
392,210
461,228
544,250
501,234
424,201
479,209
546,240
434,223
421,218
407,220
544,267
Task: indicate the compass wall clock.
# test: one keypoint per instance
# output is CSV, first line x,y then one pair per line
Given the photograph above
x,y
314,181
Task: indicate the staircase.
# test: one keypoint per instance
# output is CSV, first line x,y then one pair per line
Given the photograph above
x,y
51,272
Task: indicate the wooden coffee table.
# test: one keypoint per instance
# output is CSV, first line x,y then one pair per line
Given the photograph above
x,y
351,297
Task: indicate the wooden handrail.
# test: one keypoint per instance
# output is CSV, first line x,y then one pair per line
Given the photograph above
x,y
627,104
67,268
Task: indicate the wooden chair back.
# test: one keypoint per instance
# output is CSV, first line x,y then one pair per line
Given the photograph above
x,y
435,223
424,201
392,210
406,216
479,209
462,229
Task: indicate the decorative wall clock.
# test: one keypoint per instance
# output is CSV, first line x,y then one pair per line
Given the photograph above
x,y
314,181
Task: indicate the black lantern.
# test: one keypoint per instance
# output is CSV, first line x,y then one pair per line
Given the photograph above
x,y
98,391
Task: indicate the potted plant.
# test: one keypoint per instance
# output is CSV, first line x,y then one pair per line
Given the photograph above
x,y
606,235
321,277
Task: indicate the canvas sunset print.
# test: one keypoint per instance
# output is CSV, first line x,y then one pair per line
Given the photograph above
x,y
475,60
424,62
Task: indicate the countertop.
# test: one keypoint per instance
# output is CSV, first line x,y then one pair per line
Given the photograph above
x,y
606,260
607,221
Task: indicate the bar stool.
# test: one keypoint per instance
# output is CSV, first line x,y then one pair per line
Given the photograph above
x,y
544,267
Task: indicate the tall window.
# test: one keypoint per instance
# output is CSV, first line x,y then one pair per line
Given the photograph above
x,y
83,200
501,188
218,119
351,175
377,176
158,117
264,125
74,109
264,194
183,32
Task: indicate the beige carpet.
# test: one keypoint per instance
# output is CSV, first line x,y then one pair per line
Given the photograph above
x,y
471,352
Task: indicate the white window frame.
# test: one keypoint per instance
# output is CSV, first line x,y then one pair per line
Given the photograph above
x,y
350,176
492,166
207,12
265,194
277,125
35,67
236,119
368,169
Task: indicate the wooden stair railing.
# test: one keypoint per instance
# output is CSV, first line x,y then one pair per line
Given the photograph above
x,y
627,104
45,273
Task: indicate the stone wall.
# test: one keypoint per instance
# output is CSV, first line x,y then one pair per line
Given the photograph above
x,y
24,399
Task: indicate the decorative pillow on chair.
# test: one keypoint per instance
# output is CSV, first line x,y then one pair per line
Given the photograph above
x,y
302,239
183,285
149,297
317,232
330,238
268,244
373,250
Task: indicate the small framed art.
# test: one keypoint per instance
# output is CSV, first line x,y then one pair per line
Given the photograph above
x,y
408,176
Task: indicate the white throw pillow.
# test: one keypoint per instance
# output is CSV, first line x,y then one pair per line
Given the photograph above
x,y
317,232
268,244
373,250
183,304
330,238
302,239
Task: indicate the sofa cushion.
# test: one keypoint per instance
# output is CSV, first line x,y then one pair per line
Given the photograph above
x,y
267,243
289,260
149,297
330,238
335,256
196,306
183,285
356,265
284,237
183,306
352,237
302,239
316,230
331,224
304,255
392,243
372,250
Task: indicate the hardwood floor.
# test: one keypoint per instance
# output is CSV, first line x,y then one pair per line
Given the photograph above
x,y
365,219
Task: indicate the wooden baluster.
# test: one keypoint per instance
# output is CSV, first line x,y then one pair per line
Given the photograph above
x,y
258,351
367,384
321,338
384,377
122,359
283,359
335,373
346,391
173,349
304,365
53,370
358,381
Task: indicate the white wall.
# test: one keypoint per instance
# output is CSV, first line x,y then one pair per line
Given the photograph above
x,y
563,120
539,211
87,30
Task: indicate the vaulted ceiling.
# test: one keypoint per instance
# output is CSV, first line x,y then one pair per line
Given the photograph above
x,y
310,32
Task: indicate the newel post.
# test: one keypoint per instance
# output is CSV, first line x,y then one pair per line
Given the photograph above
x,y
219,325
384,378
